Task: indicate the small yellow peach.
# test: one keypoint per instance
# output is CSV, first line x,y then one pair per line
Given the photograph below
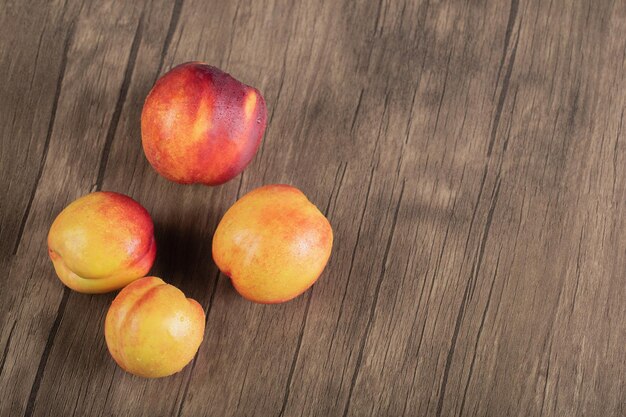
x,y
152,330
273,243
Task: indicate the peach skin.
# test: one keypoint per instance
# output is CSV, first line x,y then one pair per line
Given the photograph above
x,y
101,242
200,125
273,243
152,330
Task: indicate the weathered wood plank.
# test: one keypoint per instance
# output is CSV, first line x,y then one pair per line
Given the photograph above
x,y
32,53
35,42
91,79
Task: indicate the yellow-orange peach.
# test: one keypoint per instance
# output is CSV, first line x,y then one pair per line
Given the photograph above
x,y
200,125
273,243
101,242
152,330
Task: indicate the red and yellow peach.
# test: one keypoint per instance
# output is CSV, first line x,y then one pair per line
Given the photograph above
x,y
101,242
200,125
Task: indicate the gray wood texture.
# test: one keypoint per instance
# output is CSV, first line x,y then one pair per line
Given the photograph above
x,y
470,155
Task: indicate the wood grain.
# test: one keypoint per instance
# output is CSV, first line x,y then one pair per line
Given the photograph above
x,y
469,154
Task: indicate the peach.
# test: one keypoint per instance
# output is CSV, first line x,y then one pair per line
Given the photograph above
x,y
152,330
101,242
200,125
273,243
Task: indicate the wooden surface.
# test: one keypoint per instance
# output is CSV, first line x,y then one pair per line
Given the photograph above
x,y
470,155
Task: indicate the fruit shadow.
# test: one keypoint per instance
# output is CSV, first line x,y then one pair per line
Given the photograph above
x,y
184,258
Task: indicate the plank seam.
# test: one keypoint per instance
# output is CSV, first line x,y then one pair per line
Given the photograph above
x,y
176,12
507,38
478,334
44,156
296,355
119,105
503,93
30,406
6,347
374,303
